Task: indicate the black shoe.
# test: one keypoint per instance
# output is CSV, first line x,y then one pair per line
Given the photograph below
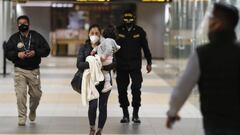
x,y
125,120
99,132
136,120
92,131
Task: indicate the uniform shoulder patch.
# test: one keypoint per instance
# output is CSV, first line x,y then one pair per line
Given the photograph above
x,y
121,35
136,36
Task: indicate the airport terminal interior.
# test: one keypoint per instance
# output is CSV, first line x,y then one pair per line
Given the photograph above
x,y
172,28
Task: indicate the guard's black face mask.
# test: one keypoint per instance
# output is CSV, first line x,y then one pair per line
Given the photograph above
x,y
23,28
128,20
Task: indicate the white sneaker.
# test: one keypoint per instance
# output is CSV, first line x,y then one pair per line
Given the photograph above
x,y
21,121
107,88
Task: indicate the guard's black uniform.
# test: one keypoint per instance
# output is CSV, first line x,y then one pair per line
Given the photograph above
x,y
129,63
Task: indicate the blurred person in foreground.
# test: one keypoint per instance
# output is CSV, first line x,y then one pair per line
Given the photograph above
x,y
215,67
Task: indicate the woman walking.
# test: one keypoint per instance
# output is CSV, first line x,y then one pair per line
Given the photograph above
x,y
92,42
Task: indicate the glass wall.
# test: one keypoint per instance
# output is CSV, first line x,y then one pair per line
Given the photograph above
x,y
183,34
69,26
185,17
183,29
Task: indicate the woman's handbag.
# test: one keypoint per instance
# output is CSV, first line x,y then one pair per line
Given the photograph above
x,y
77,81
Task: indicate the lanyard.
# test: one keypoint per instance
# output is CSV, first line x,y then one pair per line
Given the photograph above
x,y
29,42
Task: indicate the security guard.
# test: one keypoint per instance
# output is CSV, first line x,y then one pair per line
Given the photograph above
x,y
132,39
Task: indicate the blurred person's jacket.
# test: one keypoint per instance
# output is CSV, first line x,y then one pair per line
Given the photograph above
x,y
219,80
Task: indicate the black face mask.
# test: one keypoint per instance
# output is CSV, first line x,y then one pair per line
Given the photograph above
x,y
128,21
129,25
23,28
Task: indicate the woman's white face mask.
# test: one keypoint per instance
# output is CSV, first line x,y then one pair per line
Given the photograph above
x,y
94,39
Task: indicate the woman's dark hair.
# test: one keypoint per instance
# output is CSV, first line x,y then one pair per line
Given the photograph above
x,y
88,41
23,17
109,32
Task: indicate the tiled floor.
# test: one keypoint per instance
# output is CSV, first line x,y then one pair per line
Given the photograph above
x,y
61,112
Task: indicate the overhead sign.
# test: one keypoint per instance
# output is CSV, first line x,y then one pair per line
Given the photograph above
x,y
21,1
93,0
160,1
